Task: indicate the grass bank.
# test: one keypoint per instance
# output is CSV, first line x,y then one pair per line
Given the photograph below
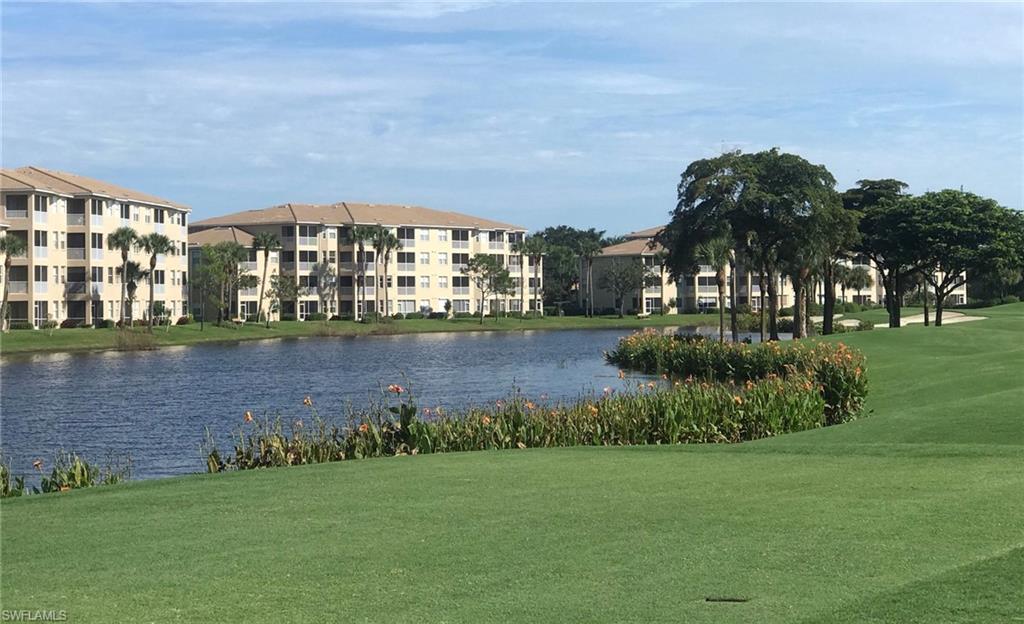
x,y
90,339
907,515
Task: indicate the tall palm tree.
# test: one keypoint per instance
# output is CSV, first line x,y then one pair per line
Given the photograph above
x,y
10,246
534,246
361,234
155,244
385,243
131,274
123,239
589,248
718,253
267,242
518,248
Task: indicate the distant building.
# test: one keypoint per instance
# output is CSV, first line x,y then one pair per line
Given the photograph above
x,y
68,272
423,276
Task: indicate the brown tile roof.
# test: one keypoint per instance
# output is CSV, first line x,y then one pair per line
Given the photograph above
x,y
220,234
61,182
632,247
349,213
648,233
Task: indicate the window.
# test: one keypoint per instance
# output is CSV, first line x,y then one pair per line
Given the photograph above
x,y
405,306
40,238
366,257
406,285
424,257
184,249
307,234
126,212
442,235
424,281
96,208
346,257
287,256
159,277
407,236
287,231
97,240
308,281
424,234
515,237
17,206
442,258
331,233
460,285
442,281
307,259
459,260
42,203
158,215
460,305
513,262
406,261
704,281
332,256
460,239
40,273
110,275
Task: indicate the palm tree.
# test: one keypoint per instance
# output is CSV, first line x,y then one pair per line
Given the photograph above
x,y
361,234
534,246
131,274
385,243
660,258
10,246
857,278
518,247
155,244
589,248
123,239
718,253
268,242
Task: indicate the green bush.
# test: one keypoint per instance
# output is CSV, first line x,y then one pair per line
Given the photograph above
x,y
438,315
49,324
316,316
22,325
105,324
865,326
413,316
343,317
683,412
287,317
850,307
72,323
463,315
836,369
69,472
398,316
184,320
10,486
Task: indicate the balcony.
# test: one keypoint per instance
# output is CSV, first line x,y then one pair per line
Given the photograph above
x,y
40,217
406,266
407,290
247,266
40,252
18,288
458,268
159,289
76,253
307,240
345,290
407,243
460,290
248,292
76,219
16,214
306,266
158,227
74,288
96,289
460,244
495,244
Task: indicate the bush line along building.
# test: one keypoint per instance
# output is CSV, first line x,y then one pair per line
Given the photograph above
x,y
699,292
422,276
70,275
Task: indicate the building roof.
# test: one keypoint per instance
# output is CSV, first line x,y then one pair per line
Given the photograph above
x,y
74,185
650,232
632,247
220,234
354,213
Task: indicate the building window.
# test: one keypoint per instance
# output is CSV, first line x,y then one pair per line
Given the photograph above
x,y
406,285
158,215
287,231
460,305
97,240
459,261
424,257
442,258
460,285
40,238
442,281
406,261
424,234
405,306
460,239
407,236
424,281
126,212
442,235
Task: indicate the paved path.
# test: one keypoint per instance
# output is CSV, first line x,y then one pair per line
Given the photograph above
x,y
947,318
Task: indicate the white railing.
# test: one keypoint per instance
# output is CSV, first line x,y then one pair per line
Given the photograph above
x,y
39,217
159,289
306,266
159,227
41,287
495,245
247,265
18,288
460,290
40,252
76,253
406,266
248,292
407,290
16,214
345,290
307,240
96,220
457,268
460,244
76,219
97,254
96,289
407,242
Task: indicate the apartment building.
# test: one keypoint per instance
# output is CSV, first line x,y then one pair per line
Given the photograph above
x,y
69,273
700,291
424,275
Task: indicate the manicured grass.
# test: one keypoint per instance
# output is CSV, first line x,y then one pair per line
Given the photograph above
x,y
879,315
911,514
86,339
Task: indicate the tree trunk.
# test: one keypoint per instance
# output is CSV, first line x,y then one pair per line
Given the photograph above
x,y
661,295
924,299
523,281
809,299
733,321
263,285
897,299
590,286
7,283
483,299
152,289
829,307
124,283
760,295
536,292
798,302
721,304
773,305
939,296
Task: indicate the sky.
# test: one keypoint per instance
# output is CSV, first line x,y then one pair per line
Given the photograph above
x,y
535,114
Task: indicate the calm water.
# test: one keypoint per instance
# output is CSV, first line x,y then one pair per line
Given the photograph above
x,y
156,405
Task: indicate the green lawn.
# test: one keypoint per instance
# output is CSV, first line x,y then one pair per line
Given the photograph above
x,y
879,315
85,339
912,514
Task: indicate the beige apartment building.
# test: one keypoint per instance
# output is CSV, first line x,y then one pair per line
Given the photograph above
x,y
700,291
69,273
422,276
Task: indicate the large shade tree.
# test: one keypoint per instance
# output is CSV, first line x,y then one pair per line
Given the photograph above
x,y
489,277
624,277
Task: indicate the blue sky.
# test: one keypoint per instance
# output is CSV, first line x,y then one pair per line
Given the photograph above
x,y
530,113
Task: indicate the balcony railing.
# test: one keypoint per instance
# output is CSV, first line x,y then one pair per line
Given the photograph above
x,y
76,253
306,266
495,245
460,290
41,287
159,227
345,290
307,240
75,288
97,220
40,217
97,254
459,244
40,252
407,242
248,292
76,219
96,288
457,268
16,214
407,290
159,289
406,266
18,288
247,266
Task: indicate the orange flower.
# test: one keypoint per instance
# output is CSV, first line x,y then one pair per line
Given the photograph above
x,y
248,416
38,464
396,389
593,410
650,385
622,374
486,420
363,428
308,402
530,405
857,371
738,400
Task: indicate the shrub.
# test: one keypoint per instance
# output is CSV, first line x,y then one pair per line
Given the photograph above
x,y
837,369
10,486
105,323
865,326
343,317
550,310
784,324
438,315
22,325
71,472
683,412
744,308
184,320
316,316
413,316
49,324
397,316
850,307
463,315
127,340
72,323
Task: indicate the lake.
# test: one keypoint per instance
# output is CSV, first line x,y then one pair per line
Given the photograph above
x,y
156,405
